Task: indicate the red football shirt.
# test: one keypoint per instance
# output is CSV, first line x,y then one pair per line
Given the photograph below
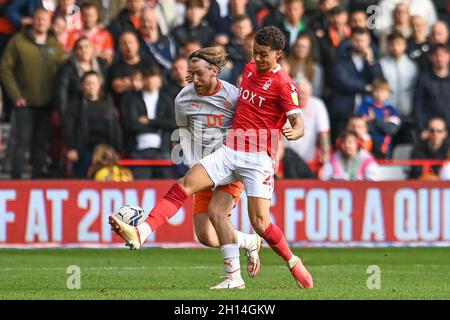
x,y
265,101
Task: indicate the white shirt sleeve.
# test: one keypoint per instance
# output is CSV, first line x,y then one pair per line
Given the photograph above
x,y
180,116
234,96
186,140
187,145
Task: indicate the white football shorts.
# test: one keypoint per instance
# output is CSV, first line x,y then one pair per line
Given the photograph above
x,y
254,169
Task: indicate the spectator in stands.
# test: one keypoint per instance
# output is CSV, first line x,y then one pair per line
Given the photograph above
x,y
190,47
221,40
439,33
433,145
89,121
82,60
358,125
59,28
20,12
7,30
148,121
110,9
70,11
241,28
105,165
358,19
355,68
291,166
418,46
247,48
165,12
315,146
137,81
320,22
425,8
180,13
177,79
101,38
303,66
194,26
338,30
401,19
401,73
350,161
235,9
127,20
432,91
292,22
28,69
153,43
382,118
214,12
119,73
401,24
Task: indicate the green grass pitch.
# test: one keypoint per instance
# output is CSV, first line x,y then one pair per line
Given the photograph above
x,y
406,273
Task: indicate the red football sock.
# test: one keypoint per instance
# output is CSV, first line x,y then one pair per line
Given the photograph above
x,y
276,240
166,207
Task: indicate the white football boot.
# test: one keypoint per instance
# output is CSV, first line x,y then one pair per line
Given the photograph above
x,y
230,283
128,233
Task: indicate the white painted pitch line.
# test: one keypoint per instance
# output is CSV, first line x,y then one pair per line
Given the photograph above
x,y
110,268
197,267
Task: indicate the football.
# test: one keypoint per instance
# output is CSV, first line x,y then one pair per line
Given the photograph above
x,y
131,215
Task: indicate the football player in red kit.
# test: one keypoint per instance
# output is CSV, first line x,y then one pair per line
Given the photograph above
x,y
267,97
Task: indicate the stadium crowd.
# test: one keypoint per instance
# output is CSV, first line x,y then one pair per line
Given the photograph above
x,y
86,82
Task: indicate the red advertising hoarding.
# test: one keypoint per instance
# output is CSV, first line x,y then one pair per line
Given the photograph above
x,y
311,213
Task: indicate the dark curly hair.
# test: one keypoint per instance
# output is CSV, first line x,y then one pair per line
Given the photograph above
x,y
270,37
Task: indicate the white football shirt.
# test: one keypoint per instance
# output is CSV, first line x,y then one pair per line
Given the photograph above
x,y
204,119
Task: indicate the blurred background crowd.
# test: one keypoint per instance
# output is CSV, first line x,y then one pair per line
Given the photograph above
x,y
85,83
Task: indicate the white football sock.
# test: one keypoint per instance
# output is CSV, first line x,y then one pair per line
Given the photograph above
x,y
230,254
144,231
246,241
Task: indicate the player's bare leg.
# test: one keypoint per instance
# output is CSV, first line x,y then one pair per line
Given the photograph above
x,y
258,209
196,179
206,234
219,210
251,243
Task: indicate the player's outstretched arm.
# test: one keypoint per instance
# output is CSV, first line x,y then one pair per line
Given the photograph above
x,y
297,129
